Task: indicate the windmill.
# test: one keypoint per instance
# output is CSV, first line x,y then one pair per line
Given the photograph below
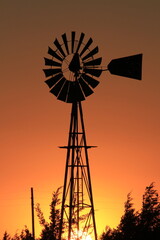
x,y
72,74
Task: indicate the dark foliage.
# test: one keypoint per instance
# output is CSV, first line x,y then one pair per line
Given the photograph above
x,y
6,236
50,229
133,225
127,226
149,217
138,225
24,235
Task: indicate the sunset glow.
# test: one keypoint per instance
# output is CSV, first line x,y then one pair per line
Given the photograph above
x,y
80,235
122,116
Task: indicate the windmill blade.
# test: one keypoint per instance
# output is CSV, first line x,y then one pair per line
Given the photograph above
x,y
64,37
91,53
130,66
79,94
57,88
86,46
94,62
57,44
50,62
75,93
52,81
86,89
54,54
51,71
64,90
72,41
91,81
80,41
92,71
71,93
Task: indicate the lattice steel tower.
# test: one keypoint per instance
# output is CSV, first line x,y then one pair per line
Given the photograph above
x,y
73,72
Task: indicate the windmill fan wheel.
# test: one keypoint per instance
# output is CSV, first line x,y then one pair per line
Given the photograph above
x,y
73,70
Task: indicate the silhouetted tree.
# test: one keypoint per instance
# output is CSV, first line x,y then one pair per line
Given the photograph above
x,y
6,236
24,235
128,223
50,230
108,234
111,234
126,230
149,217
138,226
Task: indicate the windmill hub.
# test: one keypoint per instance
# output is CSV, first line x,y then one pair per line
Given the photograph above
x,y
74,65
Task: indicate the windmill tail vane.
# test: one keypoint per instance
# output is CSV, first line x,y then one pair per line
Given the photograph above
x,y
130,67
72,73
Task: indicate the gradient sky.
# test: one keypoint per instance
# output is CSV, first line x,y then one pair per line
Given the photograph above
x,y
122,117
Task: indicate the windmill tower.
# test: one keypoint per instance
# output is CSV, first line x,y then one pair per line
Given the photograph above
x,y
72,75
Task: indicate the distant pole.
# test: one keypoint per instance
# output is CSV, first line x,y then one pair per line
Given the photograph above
x,y
32,209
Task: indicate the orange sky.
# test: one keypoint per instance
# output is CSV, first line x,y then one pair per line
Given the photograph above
x,y
122,116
